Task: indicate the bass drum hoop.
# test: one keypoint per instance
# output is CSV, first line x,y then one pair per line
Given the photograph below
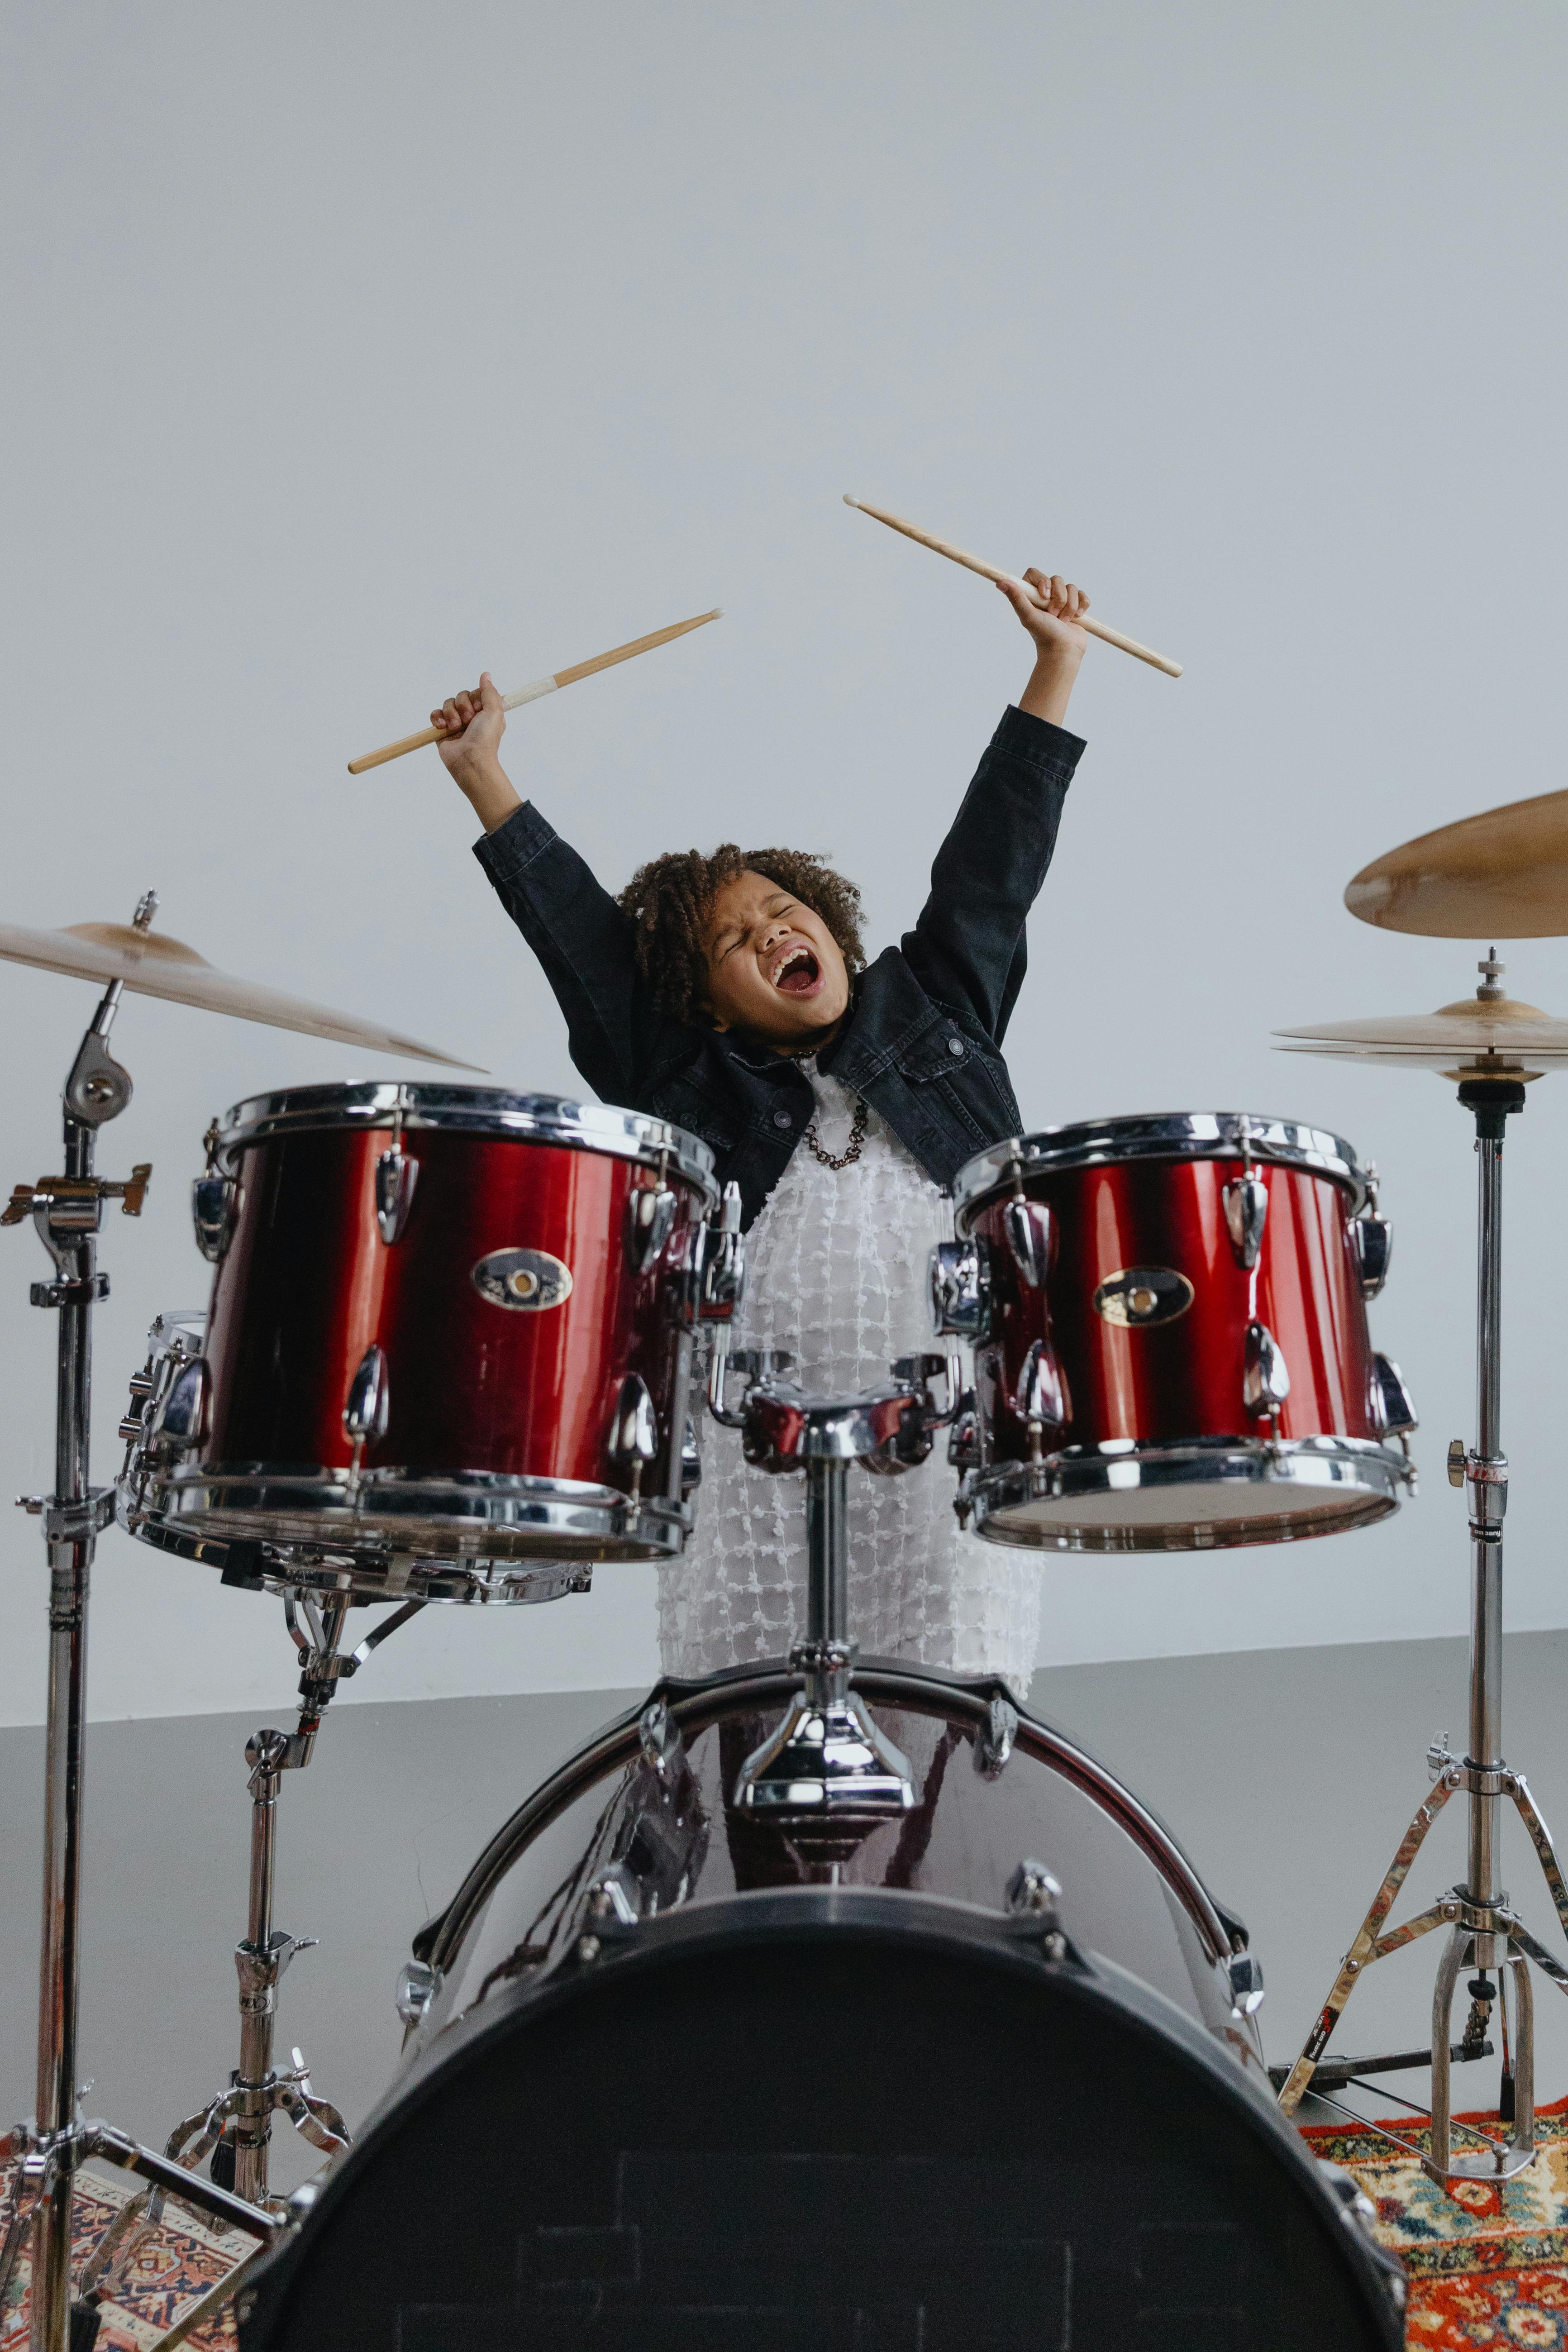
x,y
371,1104
697,1705
1162,1135
1332,1483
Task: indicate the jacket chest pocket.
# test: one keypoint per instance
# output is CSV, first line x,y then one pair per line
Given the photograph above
x,y
968,1079
694,1108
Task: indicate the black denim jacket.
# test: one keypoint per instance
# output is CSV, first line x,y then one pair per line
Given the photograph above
x,y
922,1044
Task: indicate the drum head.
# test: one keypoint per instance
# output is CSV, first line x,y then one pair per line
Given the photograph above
x,y
829,2118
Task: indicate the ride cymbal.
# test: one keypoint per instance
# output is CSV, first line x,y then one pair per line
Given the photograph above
x,y
151,965
1499,876
1491,1035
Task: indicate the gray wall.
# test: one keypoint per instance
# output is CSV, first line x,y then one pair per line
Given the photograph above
x,y
351,348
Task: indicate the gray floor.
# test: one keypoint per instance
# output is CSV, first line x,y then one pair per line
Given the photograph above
x,y
1288,1775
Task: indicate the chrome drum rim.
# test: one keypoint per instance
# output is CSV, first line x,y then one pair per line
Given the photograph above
x,y
470,1110
1160,1135
1281,1492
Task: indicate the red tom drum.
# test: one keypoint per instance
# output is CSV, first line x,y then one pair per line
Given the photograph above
x,y
1172,1351
450,1330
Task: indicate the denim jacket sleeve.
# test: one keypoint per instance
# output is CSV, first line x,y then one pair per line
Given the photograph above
x,y
967,947
584,941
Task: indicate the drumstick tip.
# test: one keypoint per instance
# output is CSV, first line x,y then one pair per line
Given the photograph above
x,y
849,501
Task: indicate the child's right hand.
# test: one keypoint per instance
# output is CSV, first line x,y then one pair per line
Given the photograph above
x,y
470,727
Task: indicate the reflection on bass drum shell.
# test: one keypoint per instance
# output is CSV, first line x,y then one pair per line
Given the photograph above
x,y
449,1349
668,2082
1172,1352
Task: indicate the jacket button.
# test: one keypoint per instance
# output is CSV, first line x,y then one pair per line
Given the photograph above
x,y
782,1119
955,1047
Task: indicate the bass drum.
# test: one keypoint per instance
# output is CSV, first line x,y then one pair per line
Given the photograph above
x,y
671,2085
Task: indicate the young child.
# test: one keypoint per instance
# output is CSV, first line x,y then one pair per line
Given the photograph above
x,y
730,993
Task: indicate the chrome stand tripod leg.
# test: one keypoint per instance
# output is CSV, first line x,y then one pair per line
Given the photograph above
x,y
1448,1968
1523,2054
1540,1839
1364,1950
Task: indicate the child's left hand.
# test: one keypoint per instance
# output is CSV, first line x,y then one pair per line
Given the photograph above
x,y
1053,621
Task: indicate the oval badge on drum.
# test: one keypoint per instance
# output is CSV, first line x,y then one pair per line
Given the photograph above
x,y
1141,1295
528,1279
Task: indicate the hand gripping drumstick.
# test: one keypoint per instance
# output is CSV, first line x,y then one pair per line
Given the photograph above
x,y
541,686
990,571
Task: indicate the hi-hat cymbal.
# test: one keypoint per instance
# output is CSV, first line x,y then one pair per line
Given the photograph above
x,y
1489,1035
152,964
1499,876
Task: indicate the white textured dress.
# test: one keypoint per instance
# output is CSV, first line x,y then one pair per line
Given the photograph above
x,y
836,1273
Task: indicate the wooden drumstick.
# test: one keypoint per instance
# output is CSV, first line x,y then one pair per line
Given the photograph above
x,y
541,686
991,572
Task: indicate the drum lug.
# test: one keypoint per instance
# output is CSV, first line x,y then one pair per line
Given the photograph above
x,y
1245,1972
184,1420
993,1745
1245,1200
395,1178
649,1219
1028,1225
214,1203
1032,1895
960,1283
690,1461
1372,1245
369,1404
1041,1395
721,1262
417,1985
964,1438
613,1898
658,1736
1266,1379
633,1428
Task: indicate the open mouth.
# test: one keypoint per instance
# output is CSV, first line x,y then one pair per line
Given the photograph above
x,y
797,971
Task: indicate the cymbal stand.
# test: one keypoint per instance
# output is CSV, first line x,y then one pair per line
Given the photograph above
x,y
235,2129
1484,1930
48,2149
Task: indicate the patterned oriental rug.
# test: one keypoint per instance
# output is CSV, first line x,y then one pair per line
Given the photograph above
x,y
171,2271
1487,2265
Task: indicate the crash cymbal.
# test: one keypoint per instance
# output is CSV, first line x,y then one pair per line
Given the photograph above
x,y
1490,1034
151,965
1499,876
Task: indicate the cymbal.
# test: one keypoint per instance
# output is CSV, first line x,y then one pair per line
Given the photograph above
x,y
1489,1035
152,964
1499,876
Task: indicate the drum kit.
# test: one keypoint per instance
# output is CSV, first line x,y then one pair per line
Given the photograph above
x,y
763,2019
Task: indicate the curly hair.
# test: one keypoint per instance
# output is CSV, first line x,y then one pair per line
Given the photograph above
x,y
668,901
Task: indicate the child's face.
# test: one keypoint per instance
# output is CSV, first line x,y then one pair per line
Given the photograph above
x,y
774,968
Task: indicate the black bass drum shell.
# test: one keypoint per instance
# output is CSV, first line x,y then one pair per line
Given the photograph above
x,y
828,2119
